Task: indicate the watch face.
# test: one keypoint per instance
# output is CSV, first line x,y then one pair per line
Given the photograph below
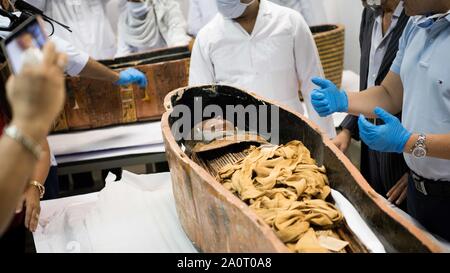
x,y
419,152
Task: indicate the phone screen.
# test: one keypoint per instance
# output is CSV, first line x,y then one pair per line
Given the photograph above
x,y
25,44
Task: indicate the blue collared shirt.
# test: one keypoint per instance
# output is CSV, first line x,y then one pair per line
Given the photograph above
x,y
423,63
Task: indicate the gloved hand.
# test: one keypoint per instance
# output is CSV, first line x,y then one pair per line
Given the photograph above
x,y
328,99
390,137
132,75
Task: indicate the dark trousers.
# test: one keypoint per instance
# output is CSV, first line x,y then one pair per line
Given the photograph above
x,y
382,170
432,212
52,184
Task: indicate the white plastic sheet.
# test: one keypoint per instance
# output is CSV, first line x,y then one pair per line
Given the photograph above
x,y
134,215
133,135
357,224
137,214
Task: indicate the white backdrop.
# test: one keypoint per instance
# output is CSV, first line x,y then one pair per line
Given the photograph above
x,y
347,12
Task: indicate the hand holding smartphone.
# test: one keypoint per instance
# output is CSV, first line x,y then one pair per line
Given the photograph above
x,y
24,45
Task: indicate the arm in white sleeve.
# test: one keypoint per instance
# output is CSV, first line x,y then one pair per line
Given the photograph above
x,y
201,70
308,66
177,26
194,18
77,59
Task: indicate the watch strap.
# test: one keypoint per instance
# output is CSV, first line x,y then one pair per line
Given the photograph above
x,y
421,142
33,147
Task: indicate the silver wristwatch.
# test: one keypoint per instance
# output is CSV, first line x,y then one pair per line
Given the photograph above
x,y
28,143
419,150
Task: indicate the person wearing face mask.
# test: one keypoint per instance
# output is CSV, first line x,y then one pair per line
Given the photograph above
x,y
418,84
202,12
261,47
151,24
382,25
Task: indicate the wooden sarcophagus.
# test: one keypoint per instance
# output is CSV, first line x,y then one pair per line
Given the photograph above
x,y
208,176
94,103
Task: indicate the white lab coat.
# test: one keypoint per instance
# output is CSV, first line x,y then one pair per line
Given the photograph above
x,y
271,62
201,12
170,21
92,31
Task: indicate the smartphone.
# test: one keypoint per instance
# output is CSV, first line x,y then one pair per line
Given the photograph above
x,y
25,44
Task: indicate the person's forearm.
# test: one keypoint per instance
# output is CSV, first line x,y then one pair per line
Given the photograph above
x,y
96,70
389,96
365,102
43,165
438,146
16,167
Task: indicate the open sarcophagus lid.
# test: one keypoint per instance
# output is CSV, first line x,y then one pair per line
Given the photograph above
x,y
252,176
94,103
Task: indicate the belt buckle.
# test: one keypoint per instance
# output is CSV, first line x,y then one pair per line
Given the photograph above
x,y
420,186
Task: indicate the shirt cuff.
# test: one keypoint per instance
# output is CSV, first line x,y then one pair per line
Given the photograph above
x,y
77,63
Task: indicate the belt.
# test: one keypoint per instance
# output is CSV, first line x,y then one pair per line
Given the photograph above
x,y
430,187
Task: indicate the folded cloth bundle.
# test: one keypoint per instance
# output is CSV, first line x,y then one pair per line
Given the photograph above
x,y
286,188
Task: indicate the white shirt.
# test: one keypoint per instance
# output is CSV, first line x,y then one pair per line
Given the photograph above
x,y
138,29
271,62
380,44
92,31
201,12
170,23
77,59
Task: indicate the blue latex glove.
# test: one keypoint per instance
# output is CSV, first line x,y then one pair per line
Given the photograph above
x,y
132,75
328,99
390,137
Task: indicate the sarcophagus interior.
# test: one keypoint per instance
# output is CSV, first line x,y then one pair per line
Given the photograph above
x,y
94,103
219,220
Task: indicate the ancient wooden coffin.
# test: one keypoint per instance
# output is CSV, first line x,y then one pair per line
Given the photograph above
x,y
217,221
93,103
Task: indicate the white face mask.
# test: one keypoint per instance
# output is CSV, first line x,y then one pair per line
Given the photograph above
x,y
232,9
